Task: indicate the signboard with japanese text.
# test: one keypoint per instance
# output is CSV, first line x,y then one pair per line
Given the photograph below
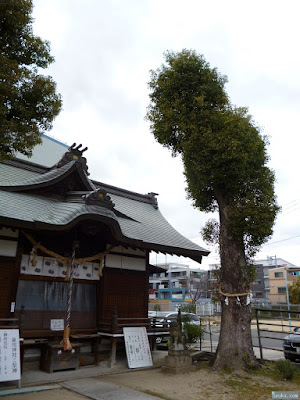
x,y
137,347
57,324
9,355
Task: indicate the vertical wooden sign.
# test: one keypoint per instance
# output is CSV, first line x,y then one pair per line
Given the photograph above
x,y
10,369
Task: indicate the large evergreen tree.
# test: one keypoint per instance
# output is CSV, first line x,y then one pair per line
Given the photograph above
x,y
224,157
28,100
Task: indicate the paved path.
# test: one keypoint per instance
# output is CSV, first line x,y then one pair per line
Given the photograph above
x,y
94,389
84,381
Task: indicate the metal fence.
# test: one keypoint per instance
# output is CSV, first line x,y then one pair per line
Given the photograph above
x,y
208,308
272,326
203,308
269,328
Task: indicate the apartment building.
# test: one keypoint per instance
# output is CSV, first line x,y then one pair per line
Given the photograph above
x,y
279,279
178,283
260,288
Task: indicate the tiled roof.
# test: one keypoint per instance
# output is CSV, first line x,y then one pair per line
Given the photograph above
x,y
35,209
152,226
10,174
39,180
135,218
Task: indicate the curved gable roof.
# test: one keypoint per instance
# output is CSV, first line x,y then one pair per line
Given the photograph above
x,y
48,179
134,218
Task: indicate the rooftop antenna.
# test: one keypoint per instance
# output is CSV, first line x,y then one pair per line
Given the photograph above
x,y
271,258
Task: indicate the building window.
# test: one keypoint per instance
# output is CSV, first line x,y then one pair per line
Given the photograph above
x,y
294,273
282,290
166,296
177,274
278,274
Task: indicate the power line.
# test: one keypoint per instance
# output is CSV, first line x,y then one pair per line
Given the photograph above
x,y
282,240
290,202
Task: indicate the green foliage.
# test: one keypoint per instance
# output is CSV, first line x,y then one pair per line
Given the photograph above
x,y
188,308
157,307
227,370
248,363
224,168
251,272
211,231
294,291
193,332
223,152
28,100
286,368
180,95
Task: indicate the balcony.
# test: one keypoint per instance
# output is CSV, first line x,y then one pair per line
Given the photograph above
x,y
171,276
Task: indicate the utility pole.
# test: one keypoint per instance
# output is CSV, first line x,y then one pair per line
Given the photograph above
x,y
288,298
271,258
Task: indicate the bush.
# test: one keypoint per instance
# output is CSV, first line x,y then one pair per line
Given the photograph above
x,y
286,368
188,308
193,332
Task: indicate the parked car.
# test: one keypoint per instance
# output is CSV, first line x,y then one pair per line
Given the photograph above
x,y
158,314
165,320
151,314
291,343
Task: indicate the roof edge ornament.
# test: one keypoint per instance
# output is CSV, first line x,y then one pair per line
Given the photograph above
x,y
74,153
153,199
99,197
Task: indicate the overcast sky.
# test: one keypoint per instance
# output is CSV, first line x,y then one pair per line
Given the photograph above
x,y
103,52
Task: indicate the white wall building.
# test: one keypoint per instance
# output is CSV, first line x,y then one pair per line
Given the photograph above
x,y
47,153
178,283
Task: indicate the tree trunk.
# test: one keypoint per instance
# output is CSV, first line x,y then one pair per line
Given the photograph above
x,y
235,348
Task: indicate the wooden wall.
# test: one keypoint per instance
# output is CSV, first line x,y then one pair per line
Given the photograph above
x,y
126,291
10,251
123,286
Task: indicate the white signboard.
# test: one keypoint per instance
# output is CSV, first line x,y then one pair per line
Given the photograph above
x,y
57,324
9,355
137,347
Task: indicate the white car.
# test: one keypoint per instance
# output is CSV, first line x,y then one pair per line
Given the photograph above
x,y
164,319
